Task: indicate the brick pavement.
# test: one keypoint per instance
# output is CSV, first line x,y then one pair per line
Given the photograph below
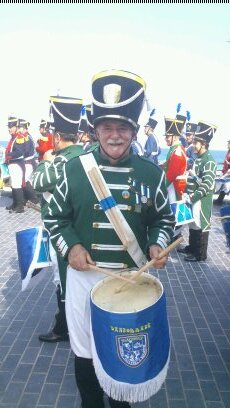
x,y
40,375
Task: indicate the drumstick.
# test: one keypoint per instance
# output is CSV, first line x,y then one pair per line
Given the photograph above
x,y
109,273
102,193
224,217
152,262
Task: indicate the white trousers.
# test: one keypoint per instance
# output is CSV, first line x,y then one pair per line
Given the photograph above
x,y
77,304
16,175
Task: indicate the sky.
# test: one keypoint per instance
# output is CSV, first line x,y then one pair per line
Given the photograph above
x,y
181,51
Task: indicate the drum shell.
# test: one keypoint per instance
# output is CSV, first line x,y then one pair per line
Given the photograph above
x,y
225,211
145,331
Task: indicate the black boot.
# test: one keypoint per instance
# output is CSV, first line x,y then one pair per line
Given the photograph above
x,y
12,206
191,247
118,404
89,388
60,326
200,249
220,199
30,194
19,208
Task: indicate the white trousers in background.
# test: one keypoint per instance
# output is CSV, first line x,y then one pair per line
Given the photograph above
x,y
77,304
16,175
29,171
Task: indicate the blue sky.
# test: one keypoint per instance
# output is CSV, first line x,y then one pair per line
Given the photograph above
x,y
180,50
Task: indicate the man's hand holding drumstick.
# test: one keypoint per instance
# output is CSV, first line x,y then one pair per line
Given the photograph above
x,y
154,252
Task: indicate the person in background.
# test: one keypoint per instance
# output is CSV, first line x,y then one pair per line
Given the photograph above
x,y
14,158
152,148
45,141
176,160
44,180
86,132
29,160
79,227
199,194
223,183
190,150
136,146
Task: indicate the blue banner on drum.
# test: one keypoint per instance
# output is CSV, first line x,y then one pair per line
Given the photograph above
x,y
131,349
33,255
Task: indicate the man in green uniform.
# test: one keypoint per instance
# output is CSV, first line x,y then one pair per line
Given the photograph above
x,y
200,189
65,111
77,219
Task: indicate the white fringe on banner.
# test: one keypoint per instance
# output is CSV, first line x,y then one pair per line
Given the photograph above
x,y
122,391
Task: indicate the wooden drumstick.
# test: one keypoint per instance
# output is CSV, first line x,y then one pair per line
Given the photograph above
x,y
109,273
152,262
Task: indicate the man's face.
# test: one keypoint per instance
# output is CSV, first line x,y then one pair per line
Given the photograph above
x,y
169,140
146,130
42,130
12,130
189,137
22,130
197,146
115,137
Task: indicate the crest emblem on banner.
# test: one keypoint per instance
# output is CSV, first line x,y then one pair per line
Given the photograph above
x,y
112,93
133,350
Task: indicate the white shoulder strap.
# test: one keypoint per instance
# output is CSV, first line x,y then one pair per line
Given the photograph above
x,y
107,203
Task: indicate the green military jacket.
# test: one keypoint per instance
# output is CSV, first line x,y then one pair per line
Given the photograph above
x,y
76,217
201,187
44,180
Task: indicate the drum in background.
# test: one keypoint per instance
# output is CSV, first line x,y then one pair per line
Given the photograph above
x,y
130,337
182,212
225,212
33,255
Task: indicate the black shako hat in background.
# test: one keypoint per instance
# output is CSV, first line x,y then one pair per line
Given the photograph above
x,y
152,122
89,118
12,121
117,94
22,123
174,127
204,132
65,113
190,128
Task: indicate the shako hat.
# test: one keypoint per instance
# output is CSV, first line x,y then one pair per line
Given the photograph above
x,y
65,113
152,122
205,132
117,94
45,124
190,128
174,127
89,116
12,121
22,123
